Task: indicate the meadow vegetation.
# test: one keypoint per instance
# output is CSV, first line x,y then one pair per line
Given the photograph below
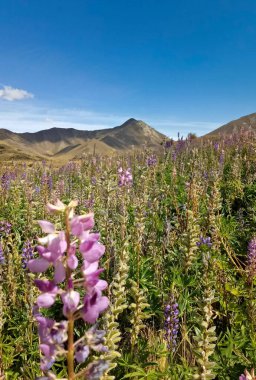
x,y
179,231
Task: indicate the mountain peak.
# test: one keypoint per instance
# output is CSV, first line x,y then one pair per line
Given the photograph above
x,y
129,122
70,143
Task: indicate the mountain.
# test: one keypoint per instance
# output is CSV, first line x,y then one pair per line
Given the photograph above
x,y
243,123
66,144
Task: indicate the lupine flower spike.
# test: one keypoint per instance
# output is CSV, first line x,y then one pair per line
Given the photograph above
x,y
171,323
59,250
251,259
124,177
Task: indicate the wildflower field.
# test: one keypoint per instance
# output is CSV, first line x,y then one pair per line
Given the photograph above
x,y
137,266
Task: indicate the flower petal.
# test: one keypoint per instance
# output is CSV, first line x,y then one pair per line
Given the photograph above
x,y
60,272
58,207
72,262
38,265
46,226
46,299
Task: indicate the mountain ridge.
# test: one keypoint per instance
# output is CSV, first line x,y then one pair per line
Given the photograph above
x,y
71,143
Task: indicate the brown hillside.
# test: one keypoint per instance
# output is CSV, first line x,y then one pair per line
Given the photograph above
x,y
67,144
243,123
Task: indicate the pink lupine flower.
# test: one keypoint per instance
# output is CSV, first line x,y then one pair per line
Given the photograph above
x,y
58,207
72,260
94,305
60,272
70,301
49,292
52,336
248,376
91,275
38,265
56,246
81,223
91,249
47,227
58,250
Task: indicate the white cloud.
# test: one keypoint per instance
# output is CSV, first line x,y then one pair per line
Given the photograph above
x,y
21,117
9,93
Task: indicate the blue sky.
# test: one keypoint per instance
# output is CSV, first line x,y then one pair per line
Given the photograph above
x,y
181,66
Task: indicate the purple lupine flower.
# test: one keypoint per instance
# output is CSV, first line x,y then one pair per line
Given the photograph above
x,y
61,187
151,160
47,181
93,181
6,181
5,227
124,177
96,369
95,339
222,156
168,144
205,175
50,182
251,259
52,336
2,258
81,353
180,145
44,179
216,146
171,323
27,253
204,241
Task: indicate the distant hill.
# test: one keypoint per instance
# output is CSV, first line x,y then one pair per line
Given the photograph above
x,y
243,123
66,144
